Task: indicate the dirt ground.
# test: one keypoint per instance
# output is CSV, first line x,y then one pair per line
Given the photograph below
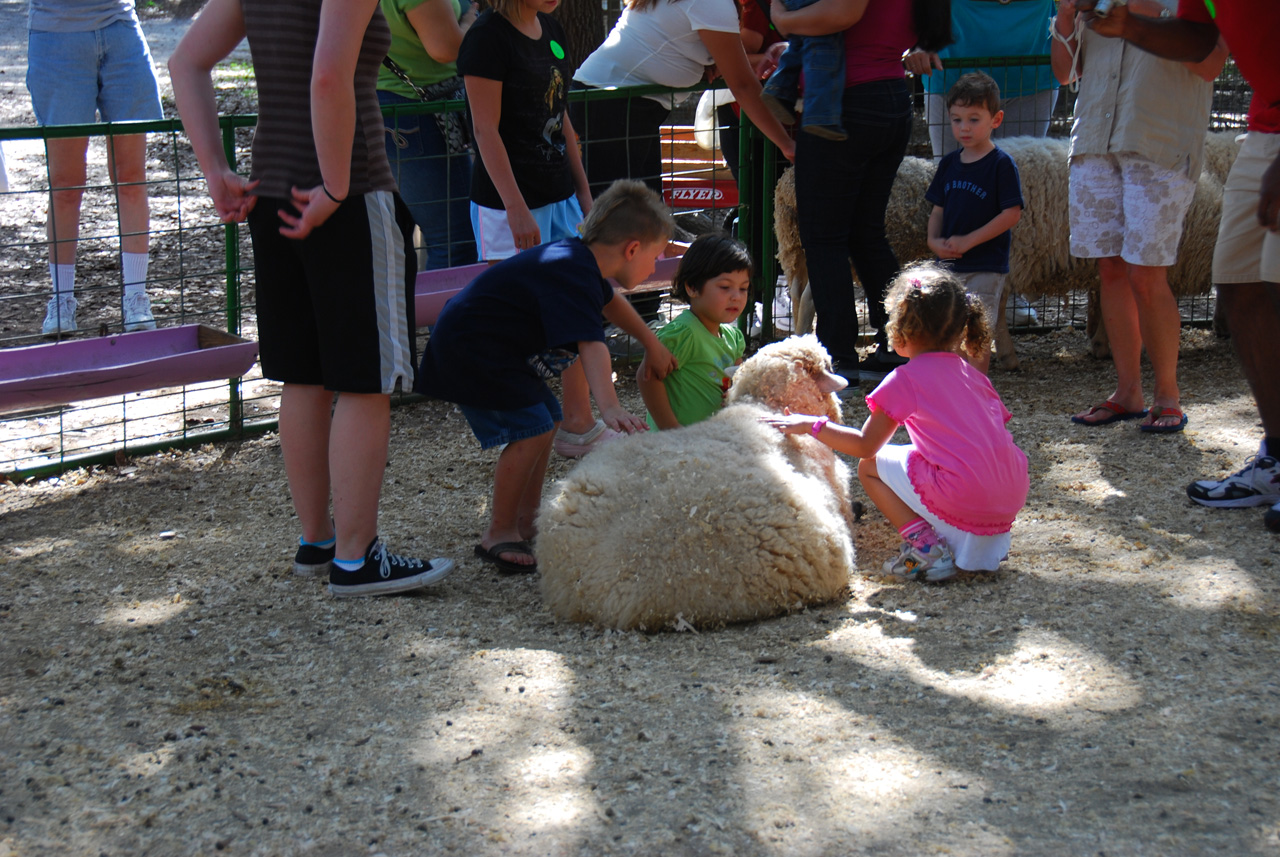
x,y
169,687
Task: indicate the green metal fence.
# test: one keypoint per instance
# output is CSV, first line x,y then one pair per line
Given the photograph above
x,y
201,271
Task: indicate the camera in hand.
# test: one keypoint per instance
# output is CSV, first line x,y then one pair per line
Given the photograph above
x,y
1103,7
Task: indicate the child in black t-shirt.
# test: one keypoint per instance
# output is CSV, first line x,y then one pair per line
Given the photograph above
x,y
529,318
527,185
976,196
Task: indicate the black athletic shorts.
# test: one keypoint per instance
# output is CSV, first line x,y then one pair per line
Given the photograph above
x,y
335,309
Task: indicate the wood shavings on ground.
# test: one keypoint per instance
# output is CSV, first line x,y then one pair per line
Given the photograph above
x,y
170,687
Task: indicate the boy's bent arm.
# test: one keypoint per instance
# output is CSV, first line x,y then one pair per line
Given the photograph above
x,y
656,400
937,243
620,312
998,225
598,366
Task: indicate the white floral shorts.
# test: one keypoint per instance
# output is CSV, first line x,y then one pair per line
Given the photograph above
x,y
1125,205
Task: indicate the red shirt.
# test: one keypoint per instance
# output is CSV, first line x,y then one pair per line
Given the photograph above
x,y
874,46
753,18
1252,32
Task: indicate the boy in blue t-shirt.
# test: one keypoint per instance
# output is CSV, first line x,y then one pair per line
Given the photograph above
x,y
976,196
529,318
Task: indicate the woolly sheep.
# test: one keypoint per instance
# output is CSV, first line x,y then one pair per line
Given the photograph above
x,y
906,224
726,520
1040,262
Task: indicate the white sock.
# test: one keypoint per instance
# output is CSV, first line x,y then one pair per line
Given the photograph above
x,y
64,279
135,273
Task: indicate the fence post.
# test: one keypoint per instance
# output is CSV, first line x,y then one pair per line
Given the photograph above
x,y
231,231
756,181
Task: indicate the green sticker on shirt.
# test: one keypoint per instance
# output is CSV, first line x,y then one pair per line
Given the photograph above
x,y
556,50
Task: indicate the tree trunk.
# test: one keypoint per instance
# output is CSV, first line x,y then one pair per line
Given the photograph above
x,y
583,22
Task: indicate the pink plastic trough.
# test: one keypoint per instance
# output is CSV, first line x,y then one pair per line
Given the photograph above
x,y
72,371
433,289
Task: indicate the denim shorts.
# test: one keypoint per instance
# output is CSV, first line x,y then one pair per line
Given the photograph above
x,y
73,76
494,428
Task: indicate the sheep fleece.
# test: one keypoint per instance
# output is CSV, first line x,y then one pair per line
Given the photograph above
x,y
723,521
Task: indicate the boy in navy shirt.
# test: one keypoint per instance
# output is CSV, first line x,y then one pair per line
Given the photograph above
x,y
529,318
976,196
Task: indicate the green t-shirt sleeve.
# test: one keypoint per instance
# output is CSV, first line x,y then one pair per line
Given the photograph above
x,y
677,339
696,389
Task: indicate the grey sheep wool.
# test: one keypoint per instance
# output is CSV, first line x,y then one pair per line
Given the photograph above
x,y
1040,260
726,520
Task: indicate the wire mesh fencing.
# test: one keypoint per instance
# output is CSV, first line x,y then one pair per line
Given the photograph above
x,y
201,271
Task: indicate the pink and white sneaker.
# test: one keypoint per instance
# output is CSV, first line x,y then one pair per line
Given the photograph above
x,y
570,445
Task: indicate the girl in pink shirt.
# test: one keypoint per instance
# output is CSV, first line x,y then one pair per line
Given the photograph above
x,y
954,491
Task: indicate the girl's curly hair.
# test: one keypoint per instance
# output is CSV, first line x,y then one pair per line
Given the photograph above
x,y
928,305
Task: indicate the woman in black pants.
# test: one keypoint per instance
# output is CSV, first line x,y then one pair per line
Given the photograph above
x,y
842,187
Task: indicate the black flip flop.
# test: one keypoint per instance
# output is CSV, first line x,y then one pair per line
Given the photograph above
x,y
493,556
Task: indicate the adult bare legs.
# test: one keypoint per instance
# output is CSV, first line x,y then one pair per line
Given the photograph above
x,y
1139,309
126,164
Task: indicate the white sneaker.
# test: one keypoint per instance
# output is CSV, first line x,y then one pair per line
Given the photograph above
x,y
137,312
1020,313
1256,484
935,565
570,445
59,316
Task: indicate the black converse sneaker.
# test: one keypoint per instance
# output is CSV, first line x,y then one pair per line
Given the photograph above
x,y
384,573
311,560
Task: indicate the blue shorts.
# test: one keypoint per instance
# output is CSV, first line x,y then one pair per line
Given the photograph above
x,y
556,221
74,76
494,428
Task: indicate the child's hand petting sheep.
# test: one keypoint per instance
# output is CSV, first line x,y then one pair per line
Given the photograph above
x,y
789,423
620,419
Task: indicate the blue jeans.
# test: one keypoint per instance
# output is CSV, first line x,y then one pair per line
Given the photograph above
x,y
821,58
434,184
842,191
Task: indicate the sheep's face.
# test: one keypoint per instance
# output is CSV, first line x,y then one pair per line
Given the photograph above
x,y
794,373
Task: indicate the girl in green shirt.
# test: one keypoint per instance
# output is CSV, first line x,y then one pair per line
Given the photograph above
x,y
714,279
